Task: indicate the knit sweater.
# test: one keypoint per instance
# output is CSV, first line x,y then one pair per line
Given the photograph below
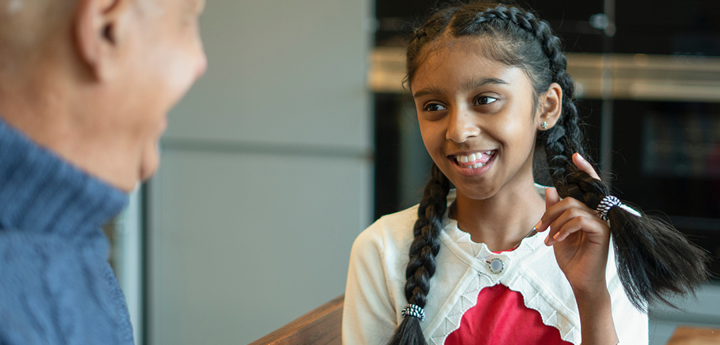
x,y
375,291
56,286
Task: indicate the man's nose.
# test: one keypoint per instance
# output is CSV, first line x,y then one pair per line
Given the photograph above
x,y
461,126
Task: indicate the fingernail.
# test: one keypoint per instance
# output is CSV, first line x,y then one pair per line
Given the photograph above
x,y
549,241
556,236
537,226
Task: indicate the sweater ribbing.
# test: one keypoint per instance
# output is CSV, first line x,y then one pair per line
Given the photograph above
x,y
39,192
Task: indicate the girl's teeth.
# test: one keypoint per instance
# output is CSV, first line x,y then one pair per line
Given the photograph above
x,y
472,157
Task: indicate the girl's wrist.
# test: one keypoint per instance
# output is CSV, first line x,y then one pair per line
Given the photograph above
x,y
591,291
595,298
595,309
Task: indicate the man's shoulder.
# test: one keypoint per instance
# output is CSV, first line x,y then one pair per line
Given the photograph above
x,y
56,291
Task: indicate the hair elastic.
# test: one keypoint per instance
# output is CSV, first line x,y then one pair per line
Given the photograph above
x,y
414,311
609,202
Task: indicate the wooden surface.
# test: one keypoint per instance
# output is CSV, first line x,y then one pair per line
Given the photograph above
x,y
695,336
321,326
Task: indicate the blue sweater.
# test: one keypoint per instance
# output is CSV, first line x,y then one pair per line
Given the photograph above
x,y
56,286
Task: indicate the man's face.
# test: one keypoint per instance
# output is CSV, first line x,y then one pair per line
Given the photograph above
x,y
163,62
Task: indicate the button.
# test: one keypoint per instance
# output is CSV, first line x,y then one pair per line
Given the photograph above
x,y
496,265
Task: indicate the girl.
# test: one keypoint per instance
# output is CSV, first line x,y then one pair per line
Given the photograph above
x,y
474,265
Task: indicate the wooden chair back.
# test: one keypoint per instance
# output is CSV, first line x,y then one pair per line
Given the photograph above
x,y
321,326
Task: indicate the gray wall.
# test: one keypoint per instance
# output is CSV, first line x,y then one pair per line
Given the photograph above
x,y
266,172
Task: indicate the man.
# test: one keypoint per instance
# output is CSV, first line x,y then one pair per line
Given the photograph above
x,y
85,87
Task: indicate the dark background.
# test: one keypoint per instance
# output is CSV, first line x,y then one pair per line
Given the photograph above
x,y
643,26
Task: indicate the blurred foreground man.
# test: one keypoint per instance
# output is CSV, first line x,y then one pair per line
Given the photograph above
x,y
85,86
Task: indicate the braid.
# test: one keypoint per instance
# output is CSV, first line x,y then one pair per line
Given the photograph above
x,y
424,248
566,138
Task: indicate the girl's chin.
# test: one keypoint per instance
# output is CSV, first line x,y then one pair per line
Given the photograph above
x,y
475,192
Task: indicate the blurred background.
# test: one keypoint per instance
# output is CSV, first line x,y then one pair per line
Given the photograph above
x,y
300,136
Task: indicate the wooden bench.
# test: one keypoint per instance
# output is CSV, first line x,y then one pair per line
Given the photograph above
x,y
321,326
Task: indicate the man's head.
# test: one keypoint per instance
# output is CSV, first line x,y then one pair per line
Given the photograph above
x,y
93,80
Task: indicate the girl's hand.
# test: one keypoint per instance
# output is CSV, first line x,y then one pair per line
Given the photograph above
x,y
579,237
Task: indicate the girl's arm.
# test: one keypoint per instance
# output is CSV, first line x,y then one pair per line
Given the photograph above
x,y
596,319
581,242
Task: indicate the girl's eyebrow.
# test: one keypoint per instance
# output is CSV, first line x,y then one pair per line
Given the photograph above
x,y
429,91
478,82
469,85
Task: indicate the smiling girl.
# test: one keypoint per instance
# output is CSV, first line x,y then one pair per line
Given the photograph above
x,y
498,259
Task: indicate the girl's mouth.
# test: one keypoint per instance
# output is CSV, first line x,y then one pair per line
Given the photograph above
x,y
474,164
475,160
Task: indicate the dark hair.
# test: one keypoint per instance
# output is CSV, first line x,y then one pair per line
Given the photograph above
x,y
653,259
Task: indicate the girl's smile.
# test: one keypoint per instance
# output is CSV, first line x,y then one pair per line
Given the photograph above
x,y
470,164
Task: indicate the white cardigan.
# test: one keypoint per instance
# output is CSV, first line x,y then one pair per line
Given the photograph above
x,y
374,295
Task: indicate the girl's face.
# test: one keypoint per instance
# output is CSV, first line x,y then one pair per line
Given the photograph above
x,y
477,117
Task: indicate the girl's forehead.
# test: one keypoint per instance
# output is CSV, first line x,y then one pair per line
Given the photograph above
x,y
442,50
458,60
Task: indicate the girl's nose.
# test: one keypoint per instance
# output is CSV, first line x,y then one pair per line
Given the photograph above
x,y
461,127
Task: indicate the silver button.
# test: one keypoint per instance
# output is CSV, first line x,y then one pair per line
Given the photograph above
x,y
496,265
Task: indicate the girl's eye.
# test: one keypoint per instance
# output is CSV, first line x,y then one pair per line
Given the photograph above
x,y
485,100
434,107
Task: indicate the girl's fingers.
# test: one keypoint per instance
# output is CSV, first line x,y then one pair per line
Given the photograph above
x,y
551,198
564,231
585,223
583,165
565,217
556,208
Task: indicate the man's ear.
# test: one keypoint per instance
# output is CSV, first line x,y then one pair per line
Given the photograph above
x,y
550,107
95,28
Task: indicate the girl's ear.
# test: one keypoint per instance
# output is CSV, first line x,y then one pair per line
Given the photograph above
x,y
550,107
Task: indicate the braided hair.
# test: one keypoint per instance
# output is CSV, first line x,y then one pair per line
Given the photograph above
x,y
653,259
424,248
